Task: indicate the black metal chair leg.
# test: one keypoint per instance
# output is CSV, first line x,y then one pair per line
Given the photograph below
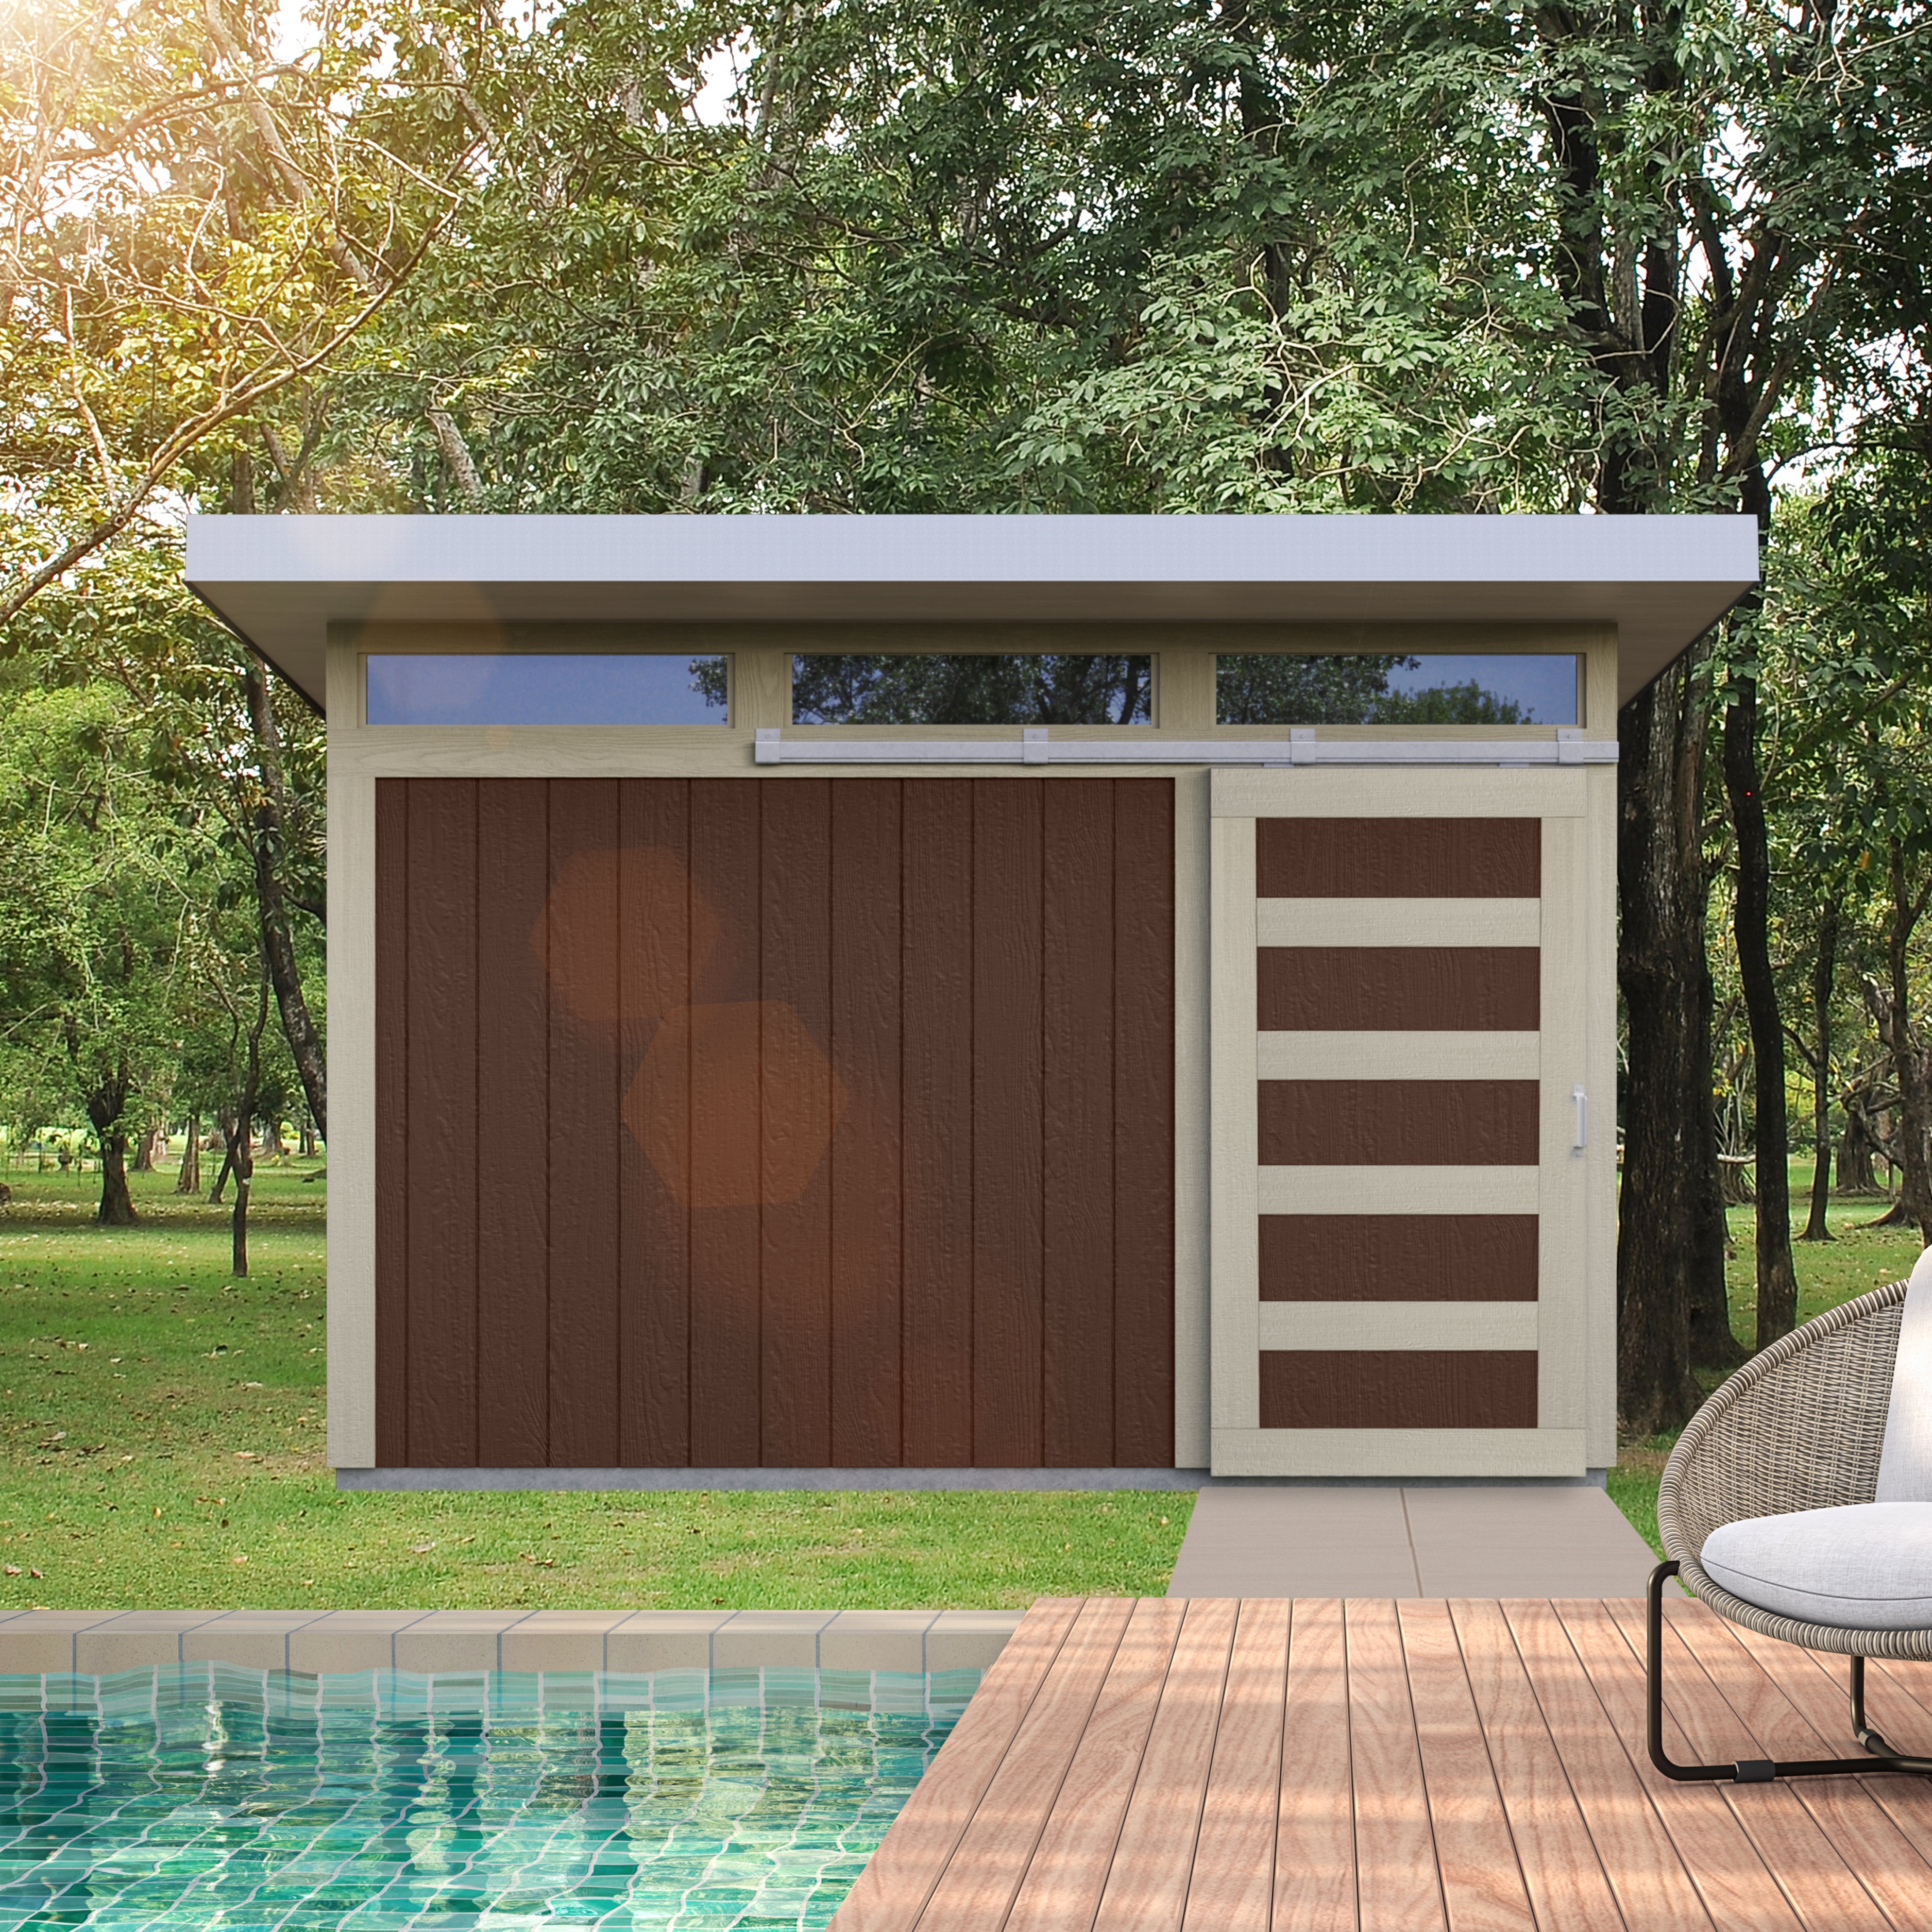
x,y
1756,1770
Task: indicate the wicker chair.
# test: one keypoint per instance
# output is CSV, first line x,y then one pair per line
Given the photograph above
x,y
1798,1427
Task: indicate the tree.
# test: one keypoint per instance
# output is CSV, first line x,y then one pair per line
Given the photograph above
x,y
197,221
96,911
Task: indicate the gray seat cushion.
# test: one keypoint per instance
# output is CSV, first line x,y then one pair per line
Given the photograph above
x,y
1867,1567
1905,1463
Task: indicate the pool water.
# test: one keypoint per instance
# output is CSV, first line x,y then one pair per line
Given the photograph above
x,y
236,1801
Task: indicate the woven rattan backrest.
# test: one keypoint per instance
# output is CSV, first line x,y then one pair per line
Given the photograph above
x,y
1798,1427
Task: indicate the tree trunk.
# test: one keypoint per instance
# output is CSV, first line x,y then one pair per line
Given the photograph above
x,y
244,1162
105,1106
145,1148
187,1176
1857,1171
241,1155
226,1124
1824,970
1777,1276
1669,1209
277,941
1909,1059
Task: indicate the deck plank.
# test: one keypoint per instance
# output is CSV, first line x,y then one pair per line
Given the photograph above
x,y
891,1891
1653,1891
1147,1888
1395,1862
1203,1766
1232,1886
1561,1870
1315,1828
1068,1872
1483,1884
1865,1872
990,1862
1738,1888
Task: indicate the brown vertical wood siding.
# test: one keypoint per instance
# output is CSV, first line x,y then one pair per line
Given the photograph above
x,y
800,1123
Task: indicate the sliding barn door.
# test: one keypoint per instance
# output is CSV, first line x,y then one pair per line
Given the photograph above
x,y
1402,985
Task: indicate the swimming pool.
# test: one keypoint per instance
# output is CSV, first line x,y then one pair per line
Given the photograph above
x,y
226,1800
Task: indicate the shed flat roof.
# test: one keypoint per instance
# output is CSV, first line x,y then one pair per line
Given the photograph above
x,y
280,581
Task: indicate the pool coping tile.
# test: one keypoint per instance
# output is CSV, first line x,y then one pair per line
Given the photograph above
x,y
875,1640
567,1640
316,1643
769,1640
349,1641
134,1640
37,1641
254,1639
456,1640
648,1640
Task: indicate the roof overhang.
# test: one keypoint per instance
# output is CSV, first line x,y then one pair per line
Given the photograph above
x,y
280,581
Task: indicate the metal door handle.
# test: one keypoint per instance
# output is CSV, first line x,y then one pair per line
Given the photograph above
x,y
1582,1100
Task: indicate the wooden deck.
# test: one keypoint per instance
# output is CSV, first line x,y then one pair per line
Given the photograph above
x,y
1211,1765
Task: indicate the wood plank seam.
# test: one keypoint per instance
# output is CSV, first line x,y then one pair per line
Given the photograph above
x,y
1712,1849
1595,1904
1593,1720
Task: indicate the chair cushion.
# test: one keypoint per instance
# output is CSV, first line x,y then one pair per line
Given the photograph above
x,y
1905,1462
1865,1567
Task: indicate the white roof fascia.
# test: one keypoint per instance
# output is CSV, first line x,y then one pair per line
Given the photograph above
x,y
280,581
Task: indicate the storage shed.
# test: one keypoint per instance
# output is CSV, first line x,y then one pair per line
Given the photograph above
x,y
968,1000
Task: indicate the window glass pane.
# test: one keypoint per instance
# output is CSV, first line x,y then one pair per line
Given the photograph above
x,y
972,688
506,688
1362,689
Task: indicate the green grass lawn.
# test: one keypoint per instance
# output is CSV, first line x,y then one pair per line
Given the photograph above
x,y
1860,1258
161,1434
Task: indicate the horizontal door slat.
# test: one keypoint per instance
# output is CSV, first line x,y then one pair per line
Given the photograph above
x,y
1398,1056
1398,922
1398,858
1398,1452
1398,1258
1392,1326
1397,1122
1397,988
1362,1190
1422,1388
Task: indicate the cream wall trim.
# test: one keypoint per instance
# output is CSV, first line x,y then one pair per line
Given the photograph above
x,y
1398,922
352,1093
1398,1452
1235,1234
1192,1420
1184,692
1363,794
1562,1219
1393,1190
1599,958
774,747
1389,1325
1396,1056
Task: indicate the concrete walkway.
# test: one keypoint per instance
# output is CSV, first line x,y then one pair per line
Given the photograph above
x,y
1360,1541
